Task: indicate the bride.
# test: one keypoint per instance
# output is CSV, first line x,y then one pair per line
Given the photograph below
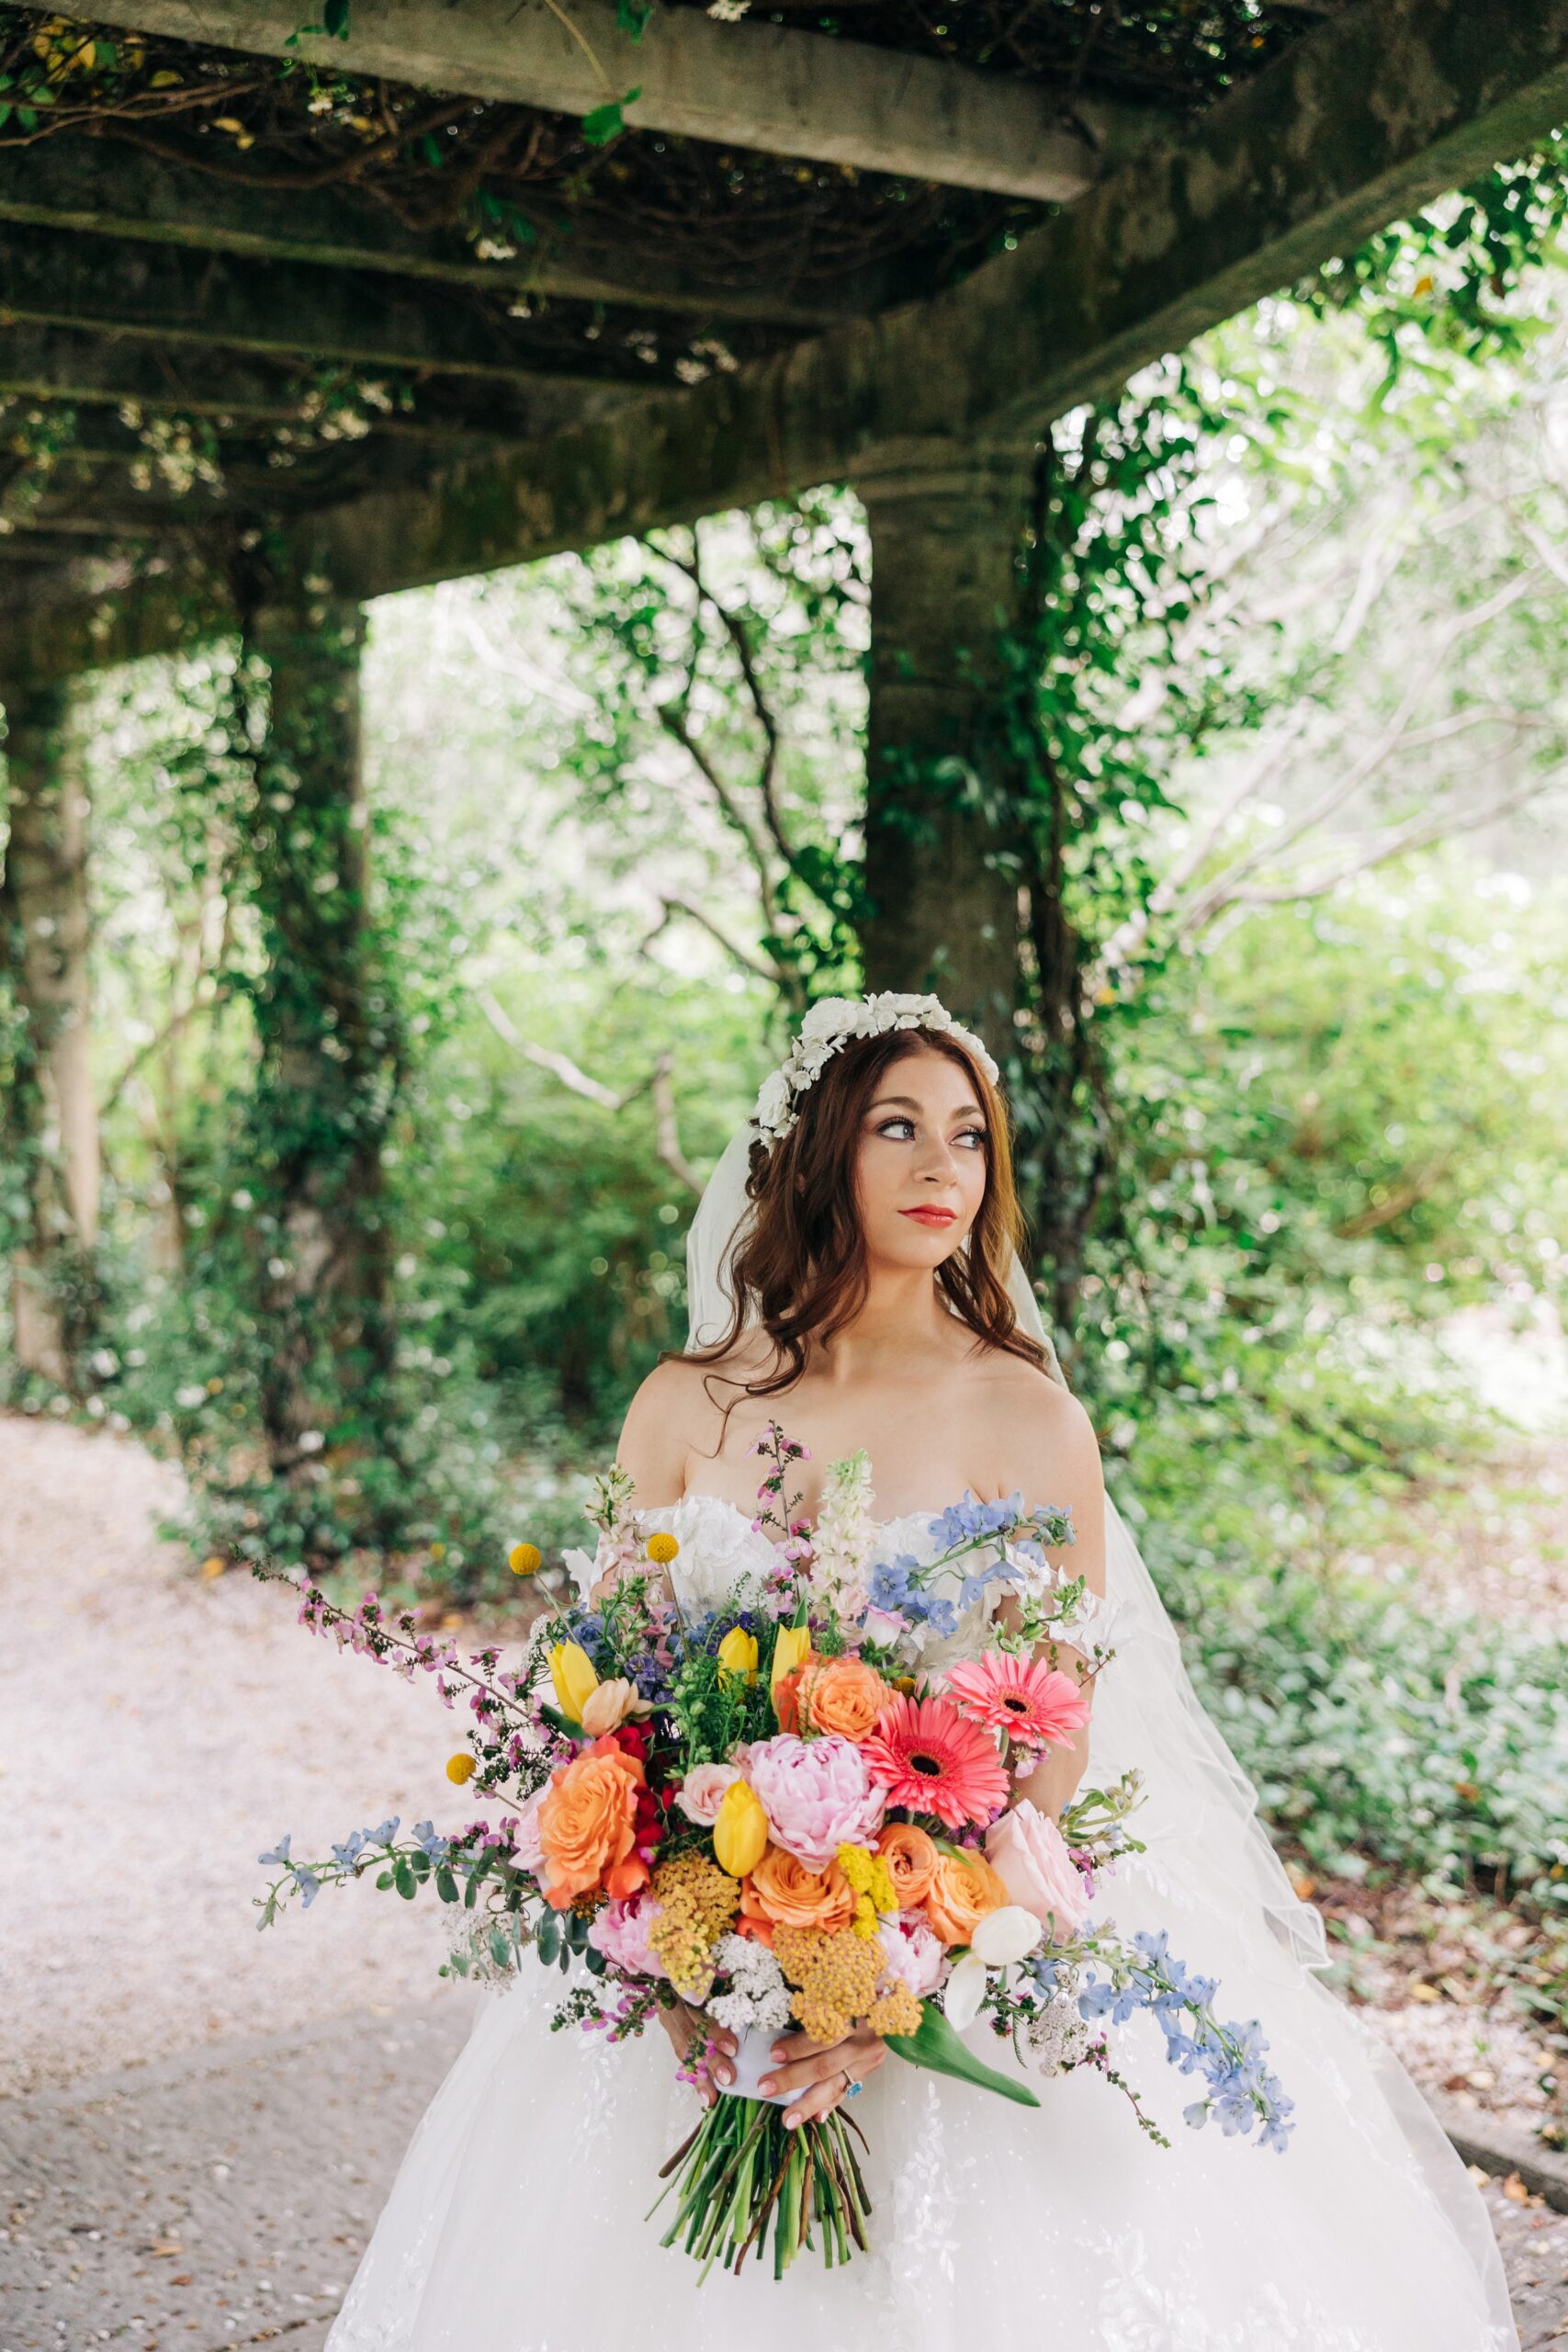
x,y
854,1274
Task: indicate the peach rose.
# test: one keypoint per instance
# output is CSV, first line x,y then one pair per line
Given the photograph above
x,y
845,1695
962,1892
782,1892
911,1858
588,1826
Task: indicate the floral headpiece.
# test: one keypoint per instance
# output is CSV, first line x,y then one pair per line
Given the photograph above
x,y
834,1023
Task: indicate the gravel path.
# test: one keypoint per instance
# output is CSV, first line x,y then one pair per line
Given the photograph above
x,y
155,1734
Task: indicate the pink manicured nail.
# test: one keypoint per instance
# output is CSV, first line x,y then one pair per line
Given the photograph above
x,y
767,2087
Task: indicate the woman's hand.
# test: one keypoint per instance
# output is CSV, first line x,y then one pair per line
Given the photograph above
x,y
682,2023
814,2072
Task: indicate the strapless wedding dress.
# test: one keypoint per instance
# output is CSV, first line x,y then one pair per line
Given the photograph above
x,y
517,2221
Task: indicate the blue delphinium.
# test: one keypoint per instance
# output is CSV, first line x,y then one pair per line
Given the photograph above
x,y
1242,2089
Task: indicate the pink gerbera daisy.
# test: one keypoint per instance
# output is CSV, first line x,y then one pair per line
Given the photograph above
x,y
930,1760
1033,1703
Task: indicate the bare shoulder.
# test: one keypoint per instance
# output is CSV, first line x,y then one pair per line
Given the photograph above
x,y
1039,1437
677,1411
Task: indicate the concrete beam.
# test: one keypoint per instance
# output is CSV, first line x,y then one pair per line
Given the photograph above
x,y
106,187
1364,120
747,85
274,310
91,370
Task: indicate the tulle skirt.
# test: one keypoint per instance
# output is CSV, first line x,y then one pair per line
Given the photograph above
x,y
517,2222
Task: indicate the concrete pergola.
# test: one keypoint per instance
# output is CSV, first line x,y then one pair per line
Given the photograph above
x,y
1119,225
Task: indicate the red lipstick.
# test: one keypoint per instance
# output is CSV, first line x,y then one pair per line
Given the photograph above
x,y
931,1215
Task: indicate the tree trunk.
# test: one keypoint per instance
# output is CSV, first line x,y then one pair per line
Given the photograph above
x,y
326,1080
947,535
49,1120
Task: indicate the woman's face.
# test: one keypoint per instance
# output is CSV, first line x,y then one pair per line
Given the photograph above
x,y
920,1173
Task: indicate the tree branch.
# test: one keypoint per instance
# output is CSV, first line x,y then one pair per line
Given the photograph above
x,y
592,1090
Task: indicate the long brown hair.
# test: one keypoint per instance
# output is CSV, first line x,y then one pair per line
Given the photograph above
x,y
800,1271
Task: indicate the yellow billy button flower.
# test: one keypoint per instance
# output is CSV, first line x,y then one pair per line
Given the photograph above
x,y
524,1559
571,1671
792,1649
737,1653
741,1831
461,1769
661,1550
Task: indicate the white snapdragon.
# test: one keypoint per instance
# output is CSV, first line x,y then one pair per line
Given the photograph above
x,y
845,1534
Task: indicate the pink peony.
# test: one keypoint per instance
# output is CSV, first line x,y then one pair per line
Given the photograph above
x,y
702,1792
817,1794
915,1956
1030,1856
620,1932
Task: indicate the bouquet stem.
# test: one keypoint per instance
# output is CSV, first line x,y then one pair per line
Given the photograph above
x,y
742,2173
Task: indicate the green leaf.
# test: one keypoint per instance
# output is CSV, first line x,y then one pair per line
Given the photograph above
x,y
606,122
547,1935
501,1949
384,1880
446,1885
938,2047
405,1882
334,16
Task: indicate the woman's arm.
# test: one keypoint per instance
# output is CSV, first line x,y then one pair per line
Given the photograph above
x,y
1052,1455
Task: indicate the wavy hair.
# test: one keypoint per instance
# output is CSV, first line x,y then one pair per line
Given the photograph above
x,y
799,1271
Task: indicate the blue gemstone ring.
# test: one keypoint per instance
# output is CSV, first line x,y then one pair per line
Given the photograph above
x,y
851,2088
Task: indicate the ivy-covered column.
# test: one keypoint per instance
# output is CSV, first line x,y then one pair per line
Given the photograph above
x,y
324,1013
947,532
49,1120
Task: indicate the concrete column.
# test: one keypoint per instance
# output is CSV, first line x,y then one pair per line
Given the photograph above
x,y
49,1120
324,1020
946,536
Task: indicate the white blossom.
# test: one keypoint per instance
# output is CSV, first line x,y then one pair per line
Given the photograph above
x,y
829,1025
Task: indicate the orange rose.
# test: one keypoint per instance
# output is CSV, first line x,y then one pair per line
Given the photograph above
x,y
782,1892
911,1858
844,1695
587,1826
786,1694
961,1894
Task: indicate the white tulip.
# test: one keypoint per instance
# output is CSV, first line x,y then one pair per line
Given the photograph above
x,y
1010,1934
964,1991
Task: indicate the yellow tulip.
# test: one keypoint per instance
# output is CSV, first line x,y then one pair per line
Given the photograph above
x,y
740,1832
737,1653
571,1671
792,1649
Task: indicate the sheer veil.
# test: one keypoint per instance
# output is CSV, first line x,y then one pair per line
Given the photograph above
x,y
1200,1809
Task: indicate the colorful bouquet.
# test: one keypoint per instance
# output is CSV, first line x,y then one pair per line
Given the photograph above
x,y
785,1811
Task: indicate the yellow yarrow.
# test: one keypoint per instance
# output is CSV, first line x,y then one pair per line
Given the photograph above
x,y
696,1903
524,1559
869,1875
895,2012
661,1550
836,1974
864,1921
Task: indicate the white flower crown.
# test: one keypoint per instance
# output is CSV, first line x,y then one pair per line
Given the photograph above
x,y
832,1023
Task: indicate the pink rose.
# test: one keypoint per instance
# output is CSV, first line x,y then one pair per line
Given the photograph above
x,y
817,1794
528,1853
702,1792
620,1932
915,1956
1030,1856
